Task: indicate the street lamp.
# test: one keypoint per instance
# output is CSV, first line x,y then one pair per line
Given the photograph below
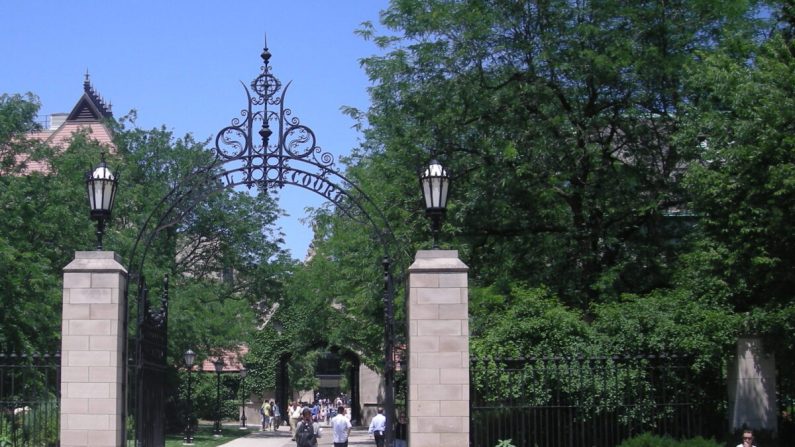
x,y
435,183
219,366
189,356
242,399
101,188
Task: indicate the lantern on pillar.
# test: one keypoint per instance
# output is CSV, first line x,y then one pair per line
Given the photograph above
x,y
101,188
435,184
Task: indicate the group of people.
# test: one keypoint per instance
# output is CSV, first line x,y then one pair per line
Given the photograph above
x,y
271,415
305,423
305,420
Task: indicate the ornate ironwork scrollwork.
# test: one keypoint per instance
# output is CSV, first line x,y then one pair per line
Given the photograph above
x,y
243,160
265,163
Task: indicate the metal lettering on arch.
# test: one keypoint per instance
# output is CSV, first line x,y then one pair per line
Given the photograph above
x,y
245,155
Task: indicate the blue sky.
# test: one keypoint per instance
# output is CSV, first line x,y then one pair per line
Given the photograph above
x,y
179,63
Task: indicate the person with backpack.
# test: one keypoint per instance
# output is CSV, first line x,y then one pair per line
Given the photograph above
x,y
305,432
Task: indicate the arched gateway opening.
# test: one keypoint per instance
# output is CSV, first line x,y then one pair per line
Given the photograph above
x,y
266,148
337,375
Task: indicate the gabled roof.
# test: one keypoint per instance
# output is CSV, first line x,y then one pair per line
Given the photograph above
x,y
91,107
88,115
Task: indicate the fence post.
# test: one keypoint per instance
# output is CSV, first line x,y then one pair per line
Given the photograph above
x,y
438,372
92,363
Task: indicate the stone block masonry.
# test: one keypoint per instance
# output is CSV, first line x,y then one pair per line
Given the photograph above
x,y
438,371
92,362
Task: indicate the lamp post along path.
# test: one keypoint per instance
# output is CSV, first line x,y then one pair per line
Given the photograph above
x,y
219,366
242,400
189,357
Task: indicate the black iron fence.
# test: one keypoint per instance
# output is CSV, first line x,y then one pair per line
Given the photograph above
x,y
596,401
29,399
786,415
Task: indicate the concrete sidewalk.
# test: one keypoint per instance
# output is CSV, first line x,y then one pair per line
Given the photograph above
x,y
281,438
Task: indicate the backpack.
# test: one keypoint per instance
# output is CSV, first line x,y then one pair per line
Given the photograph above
x,y
305,435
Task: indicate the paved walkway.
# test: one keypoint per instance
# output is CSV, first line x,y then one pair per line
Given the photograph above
x,y
281,438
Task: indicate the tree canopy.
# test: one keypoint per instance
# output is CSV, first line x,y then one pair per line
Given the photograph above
x,y
598,169
622,181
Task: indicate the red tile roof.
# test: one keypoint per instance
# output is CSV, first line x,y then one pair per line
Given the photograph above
x,y
232,361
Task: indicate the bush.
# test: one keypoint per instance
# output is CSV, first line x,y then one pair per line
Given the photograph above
x,y
649,440
33,425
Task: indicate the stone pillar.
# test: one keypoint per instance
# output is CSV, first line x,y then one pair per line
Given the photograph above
x,y
92,362
752,388
438,371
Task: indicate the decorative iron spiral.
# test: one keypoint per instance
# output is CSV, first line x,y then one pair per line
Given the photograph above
x,y
268,162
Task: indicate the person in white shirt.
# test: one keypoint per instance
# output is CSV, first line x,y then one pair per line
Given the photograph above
x,y
295,416
341,427
748,439
378,428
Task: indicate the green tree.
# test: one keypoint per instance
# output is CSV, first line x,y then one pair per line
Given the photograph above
x,y
555,119
17,119
744,189
42,222
215,249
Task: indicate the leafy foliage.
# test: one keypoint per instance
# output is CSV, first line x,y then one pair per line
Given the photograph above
x,y
743,189
556,120
649,440
43,222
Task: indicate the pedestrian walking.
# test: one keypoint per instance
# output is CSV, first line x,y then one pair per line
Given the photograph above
x,y
295,416
265,411
341,427
305,431
378,428
277,415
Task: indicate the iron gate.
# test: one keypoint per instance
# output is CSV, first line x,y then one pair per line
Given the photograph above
x,y
151,349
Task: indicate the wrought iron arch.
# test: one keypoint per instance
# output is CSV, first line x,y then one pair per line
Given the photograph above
x,y
294,159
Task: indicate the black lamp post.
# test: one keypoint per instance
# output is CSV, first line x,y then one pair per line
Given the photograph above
x,y
219,366
101,188
435,183
242,399
189,356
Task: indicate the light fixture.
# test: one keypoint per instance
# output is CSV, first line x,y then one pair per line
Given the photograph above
x,y
101,188
189,357
219,366
435,185
243,418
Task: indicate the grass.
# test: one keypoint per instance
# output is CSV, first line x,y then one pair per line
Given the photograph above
x,y
204,436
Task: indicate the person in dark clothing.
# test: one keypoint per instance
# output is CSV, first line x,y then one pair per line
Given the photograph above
x,y
401,431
